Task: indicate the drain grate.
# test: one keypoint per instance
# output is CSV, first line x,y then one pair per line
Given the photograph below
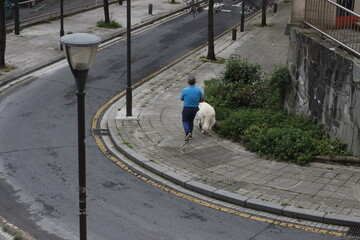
x,y
101,132
354,232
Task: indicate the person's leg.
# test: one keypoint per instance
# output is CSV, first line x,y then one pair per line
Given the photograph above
x,y
185,120
192,115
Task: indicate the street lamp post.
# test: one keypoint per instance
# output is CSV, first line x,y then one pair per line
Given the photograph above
x,y
80,51
61,21
128,43
242,16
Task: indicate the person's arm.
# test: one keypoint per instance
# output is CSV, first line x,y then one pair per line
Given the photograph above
x,y
202,96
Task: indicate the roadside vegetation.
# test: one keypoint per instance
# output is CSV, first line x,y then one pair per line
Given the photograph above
x,y
249,108
112,24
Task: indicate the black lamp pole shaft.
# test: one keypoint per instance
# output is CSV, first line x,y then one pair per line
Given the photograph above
x,y
81,162
17,18
242,16
61,21
128,87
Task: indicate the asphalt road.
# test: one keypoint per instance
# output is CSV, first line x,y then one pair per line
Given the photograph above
x,y
38,155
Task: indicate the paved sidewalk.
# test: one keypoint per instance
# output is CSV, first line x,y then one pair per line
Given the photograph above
x,y
220,168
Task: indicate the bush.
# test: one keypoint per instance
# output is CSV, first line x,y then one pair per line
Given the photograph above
x,y
279,80
279,135
331,147
239,70
241,86
112,24
286,144
248,108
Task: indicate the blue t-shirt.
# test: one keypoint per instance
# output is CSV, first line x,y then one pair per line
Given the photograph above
x,y
191,96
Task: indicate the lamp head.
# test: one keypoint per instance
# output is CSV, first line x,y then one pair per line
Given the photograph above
x,y
81,49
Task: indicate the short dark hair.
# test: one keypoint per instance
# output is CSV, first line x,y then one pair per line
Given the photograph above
x,y
191,80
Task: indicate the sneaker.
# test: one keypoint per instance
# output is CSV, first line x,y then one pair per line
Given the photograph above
x,y
188,137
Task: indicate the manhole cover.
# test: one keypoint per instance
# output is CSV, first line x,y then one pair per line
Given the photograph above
x,y
101,132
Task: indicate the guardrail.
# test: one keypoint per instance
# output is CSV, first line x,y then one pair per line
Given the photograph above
x,y
335,21
30,5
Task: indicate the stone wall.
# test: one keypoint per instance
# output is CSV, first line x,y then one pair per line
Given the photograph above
x,y
326,85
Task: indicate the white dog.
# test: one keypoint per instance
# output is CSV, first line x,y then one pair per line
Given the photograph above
x,y
205,117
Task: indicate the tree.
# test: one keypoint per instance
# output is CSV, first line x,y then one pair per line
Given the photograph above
x,y
106,11
197,8
2,34
263,13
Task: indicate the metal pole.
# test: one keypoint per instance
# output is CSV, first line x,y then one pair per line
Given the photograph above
x,y
234,34
128,87
61,21
81,163
242,16
17,18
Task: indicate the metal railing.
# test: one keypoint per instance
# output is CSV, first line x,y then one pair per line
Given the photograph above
x,y
34,11
336,21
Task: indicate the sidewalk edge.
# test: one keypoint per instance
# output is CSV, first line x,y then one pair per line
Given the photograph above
x,y
227,196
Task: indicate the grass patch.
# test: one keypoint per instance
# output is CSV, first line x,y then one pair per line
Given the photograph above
x,y
7,68
127,144
111,25
285,204
267,25
218,60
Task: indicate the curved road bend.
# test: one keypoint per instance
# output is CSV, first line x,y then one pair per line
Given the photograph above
x,y
38,155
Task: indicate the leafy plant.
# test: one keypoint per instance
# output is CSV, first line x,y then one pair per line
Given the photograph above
x,y
112,24
279,80
240,70
249,108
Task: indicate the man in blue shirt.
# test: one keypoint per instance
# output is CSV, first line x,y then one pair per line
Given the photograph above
x,y
191,96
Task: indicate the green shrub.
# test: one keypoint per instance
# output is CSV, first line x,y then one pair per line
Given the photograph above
x,y
279,135
331,147
279,80
241,86
240,70
285,144
112,24
248,108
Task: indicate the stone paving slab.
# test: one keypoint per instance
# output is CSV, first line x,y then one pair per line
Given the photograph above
x,y
218,166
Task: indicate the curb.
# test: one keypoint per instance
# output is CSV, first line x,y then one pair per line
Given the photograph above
x,y
219,194
13,231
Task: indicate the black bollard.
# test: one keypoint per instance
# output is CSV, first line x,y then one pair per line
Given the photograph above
x,y
121,2
275,8
150,9
234,34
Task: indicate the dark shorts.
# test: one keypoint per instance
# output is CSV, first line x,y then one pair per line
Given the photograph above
x,y
189,113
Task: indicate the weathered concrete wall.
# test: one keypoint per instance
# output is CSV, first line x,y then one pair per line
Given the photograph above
x,y
326,85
